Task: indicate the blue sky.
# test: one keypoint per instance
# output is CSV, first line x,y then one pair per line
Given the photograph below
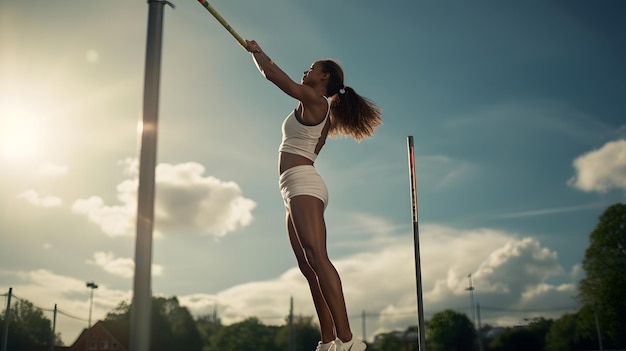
x,y
520,142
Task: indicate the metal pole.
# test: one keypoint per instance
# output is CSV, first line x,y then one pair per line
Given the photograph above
x,y
363,325
142,294
478,315
471,296
90,308
480,336
92,286
54,326
595,316
418,270
292,339
6,322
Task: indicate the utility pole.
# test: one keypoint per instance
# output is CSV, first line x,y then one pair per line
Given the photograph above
x,y
6,322
54,325
471,294
363,325
478,315
292,334
480,336
474,312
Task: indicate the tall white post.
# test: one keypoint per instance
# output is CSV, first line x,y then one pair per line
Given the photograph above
x,y
142,290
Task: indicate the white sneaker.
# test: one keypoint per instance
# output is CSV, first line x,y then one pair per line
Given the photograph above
x,y
353,345
329,346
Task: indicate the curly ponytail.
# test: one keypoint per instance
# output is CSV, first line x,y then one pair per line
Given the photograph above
x,y
350,113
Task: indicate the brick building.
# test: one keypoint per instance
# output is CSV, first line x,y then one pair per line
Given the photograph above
x,y
105,336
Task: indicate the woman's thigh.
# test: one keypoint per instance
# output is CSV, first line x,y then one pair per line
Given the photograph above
x,y
307,216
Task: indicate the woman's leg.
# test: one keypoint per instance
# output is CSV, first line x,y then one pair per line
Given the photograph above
x,y
307,216
327,327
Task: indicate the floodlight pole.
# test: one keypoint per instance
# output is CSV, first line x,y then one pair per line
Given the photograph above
x,y
142,291
92,286
470,288
416,242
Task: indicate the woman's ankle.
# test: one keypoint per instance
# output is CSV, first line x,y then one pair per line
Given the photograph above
x,y
345,338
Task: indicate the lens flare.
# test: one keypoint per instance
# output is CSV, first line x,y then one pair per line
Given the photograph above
x,y
20,134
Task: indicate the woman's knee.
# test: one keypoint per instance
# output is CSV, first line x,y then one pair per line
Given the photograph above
x,y
307,270
317,260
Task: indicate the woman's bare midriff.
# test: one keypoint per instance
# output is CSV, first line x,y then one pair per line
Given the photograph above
x,y
287,160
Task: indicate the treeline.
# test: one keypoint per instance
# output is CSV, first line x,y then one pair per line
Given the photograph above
x,y
174,328
452,331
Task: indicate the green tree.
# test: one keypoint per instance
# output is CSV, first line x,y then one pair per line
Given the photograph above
x,y
208,327
388,342
307,334
517,339
119,312
561,334
450,331
28,327
184,331
172,326
569,333
605,282
530,337
249,334
397,340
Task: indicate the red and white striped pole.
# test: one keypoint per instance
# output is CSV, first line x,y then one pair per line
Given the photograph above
x,y
416,241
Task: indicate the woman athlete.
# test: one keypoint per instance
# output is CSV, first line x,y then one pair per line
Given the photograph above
x,y
326,107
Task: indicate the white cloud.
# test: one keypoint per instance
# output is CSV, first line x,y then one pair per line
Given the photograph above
x,y
517,258
577,272
113,220
543,296
508,272
187,199
123,267
601,170
184,200
36,199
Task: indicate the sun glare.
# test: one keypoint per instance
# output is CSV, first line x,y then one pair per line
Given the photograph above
x,y
19,133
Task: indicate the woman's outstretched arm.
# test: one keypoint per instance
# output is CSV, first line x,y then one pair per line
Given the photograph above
x,y
274,74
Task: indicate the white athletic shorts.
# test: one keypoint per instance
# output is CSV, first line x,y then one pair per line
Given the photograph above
x,y
302,180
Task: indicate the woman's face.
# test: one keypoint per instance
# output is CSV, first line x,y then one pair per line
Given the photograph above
x,y
313,75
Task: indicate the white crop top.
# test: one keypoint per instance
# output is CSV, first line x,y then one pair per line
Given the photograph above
x,y
301,138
